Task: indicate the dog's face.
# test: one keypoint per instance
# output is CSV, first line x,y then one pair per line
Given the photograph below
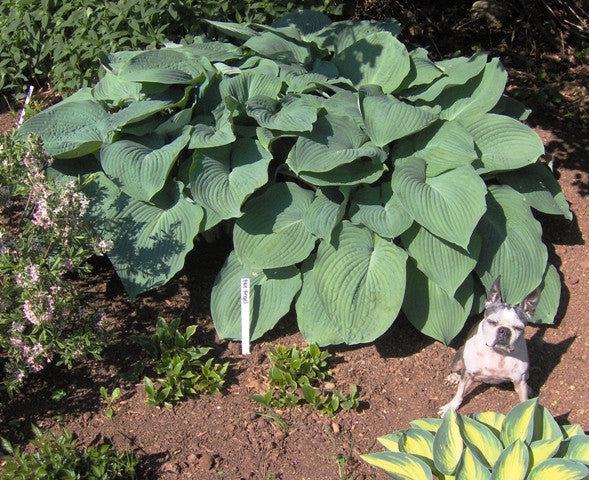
x,y
503,324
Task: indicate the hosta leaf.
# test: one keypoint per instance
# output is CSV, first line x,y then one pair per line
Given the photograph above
x,y
431,310
380,210
569,431
222,178
545,426
271,293
512,245
559,469
540,189
247,85
313,322
505,143
576,448
212,132
449,205
391,441
360,279
306,22
443,146
399,465
421,70
150,240
340,35
362,171
419,443
471,467
448,444
138,169
512,464
212,51
291,113
378,59
232,29
541,450
481,440
271,233
478,95
166,66
456,71
430,424
387,119
444,263
493,420
137,111
345,104
519,422
116,90
272,45
333,142
70,129
326,211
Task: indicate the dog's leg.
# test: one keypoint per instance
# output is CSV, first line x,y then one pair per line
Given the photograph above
x,y
463,385
521,389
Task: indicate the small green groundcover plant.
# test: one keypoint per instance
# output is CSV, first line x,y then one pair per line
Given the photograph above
x,y
348,166
58,456
298,376
525,444
44,242
182,371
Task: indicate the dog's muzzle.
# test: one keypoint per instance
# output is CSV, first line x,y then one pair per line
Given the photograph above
x,y
503,336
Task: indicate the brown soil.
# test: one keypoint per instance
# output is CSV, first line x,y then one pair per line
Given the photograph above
x,y
400,376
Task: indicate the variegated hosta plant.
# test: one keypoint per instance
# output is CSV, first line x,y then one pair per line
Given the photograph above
x,y
527,443
361,177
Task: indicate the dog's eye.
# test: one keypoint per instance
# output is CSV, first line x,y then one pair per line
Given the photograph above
x,y
492,322
518,329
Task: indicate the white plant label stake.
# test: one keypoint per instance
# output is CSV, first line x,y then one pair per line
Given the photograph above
x,y
245,316
21,117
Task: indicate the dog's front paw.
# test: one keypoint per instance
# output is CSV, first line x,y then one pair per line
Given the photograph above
x,y
449,406
453,378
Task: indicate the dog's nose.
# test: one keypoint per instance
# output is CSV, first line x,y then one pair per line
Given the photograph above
x,y
503,333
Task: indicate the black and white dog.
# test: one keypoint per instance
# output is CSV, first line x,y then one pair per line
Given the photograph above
x,y
495,350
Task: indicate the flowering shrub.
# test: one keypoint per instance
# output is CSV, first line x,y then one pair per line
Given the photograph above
x,y
44,241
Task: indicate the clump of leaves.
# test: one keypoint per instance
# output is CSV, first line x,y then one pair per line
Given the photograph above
x,y
110,399
527,443
348,166
296,377
60,456
181,367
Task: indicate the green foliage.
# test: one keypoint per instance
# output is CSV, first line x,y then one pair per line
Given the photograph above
x,y
58,456
527,443
110,399
61,42
350,167
181,368
296,378
43,241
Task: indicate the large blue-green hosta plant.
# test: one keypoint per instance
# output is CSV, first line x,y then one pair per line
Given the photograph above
x,y
362,178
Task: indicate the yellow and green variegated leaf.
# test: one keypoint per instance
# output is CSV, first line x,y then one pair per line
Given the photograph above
x,y
541,450
545,427
576,448
448,444
559,469
519,423
417,442
399,465
391,441
429,424
482,440
572,430
493,420
471,468
513,462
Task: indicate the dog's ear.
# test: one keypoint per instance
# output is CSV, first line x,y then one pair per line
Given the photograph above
x,y
530,303
494,294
